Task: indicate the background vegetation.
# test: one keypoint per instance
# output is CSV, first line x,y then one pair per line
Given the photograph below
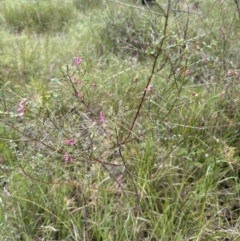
x,y
118,121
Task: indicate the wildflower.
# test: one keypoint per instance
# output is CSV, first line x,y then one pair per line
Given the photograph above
x,y
78,61
67,157
187,72
229,72
21,109
148,88
70,142
102,117
22,103
74,80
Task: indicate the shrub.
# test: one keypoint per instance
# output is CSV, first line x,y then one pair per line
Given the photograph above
x,y
147,153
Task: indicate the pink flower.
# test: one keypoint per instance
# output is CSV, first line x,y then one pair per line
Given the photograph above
x,y
22,103
187,72
148,88
67,157
70,142
102,117
78,61
74,80
21,109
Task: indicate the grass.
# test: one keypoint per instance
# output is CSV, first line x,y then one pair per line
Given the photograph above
x,y
163,165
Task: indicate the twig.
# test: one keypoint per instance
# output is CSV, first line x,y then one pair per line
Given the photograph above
x,y
159,51
238,7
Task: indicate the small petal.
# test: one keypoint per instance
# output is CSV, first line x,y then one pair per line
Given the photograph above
x,y
78,61
22,103
21,109
70,142
74,80
67,157
102,117
187,72
21,114
148,88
